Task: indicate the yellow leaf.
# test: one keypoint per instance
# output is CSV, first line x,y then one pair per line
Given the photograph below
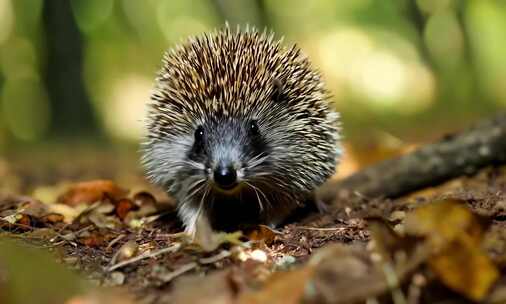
x,y
464,267
441,222
454,236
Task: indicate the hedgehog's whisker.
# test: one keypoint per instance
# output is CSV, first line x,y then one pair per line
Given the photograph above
x,y
261,192
195,188
265,196
195,191
196,183
260,204
201,205
268,184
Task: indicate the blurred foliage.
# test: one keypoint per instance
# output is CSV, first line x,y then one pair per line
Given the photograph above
x,y
24,280
86,67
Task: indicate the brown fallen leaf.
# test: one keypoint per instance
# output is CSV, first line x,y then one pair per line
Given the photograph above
x,y
218,287
123,207
344,274
282,287
262,233
108,296
52,218
90,192
94,240
454,235
33,208
25,220
144,198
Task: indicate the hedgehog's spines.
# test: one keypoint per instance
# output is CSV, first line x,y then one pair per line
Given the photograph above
x,y
231,77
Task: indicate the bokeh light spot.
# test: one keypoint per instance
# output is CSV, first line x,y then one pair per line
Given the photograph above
x,y
388,77
6,20
125,110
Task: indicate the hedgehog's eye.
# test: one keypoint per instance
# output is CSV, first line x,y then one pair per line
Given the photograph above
x,y
199,135
253,127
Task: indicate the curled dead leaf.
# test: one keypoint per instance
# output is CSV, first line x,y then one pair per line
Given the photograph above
x,y
144,198
33,208
93,240
24,219
123,207
262,233
52,218
90,192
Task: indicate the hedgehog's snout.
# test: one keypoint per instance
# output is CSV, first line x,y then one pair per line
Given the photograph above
x,y
225,177
226,149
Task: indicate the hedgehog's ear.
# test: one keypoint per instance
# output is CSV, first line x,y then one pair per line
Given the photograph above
x,y
277,90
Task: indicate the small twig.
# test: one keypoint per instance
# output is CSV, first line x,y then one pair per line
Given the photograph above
x,y
320,229
116,254
115,240
65,237
215,258
171,235
171,275
146,255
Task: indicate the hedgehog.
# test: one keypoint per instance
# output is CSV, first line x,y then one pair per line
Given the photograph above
x,y
240,129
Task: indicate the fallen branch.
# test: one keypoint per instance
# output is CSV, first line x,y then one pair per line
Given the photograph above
x,y
456,155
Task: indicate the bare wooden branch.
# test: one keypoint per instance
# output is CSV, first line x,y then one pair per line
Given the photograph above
x,y
456,155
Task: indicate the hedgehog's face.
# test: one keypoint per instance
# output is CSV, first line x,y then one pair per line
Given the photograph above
x,y
230,151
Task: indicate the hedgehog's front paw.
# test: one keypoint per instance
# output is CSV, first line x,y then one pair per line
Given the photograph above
x,y
200,229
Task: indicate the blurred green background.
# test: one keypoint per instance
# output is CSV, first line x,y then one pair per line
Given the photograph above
x,y
401,71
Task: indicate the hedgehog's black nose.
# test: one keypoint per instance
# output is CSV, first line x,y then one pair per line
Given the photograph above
x,y
225,177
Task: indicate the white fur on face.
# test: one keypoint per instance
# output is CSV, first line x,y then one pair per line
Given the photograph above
x,y
167,165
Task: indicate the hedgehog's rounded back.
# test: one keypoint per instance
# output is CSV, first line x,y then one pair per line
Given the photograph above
x,y
237,121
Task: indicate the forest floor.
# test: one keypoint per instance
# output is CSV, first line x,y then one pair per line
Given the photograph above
x,y
445,244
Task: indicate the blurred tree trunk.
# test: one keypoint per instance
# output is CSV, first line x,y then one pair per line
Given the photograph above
x,y
71,110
